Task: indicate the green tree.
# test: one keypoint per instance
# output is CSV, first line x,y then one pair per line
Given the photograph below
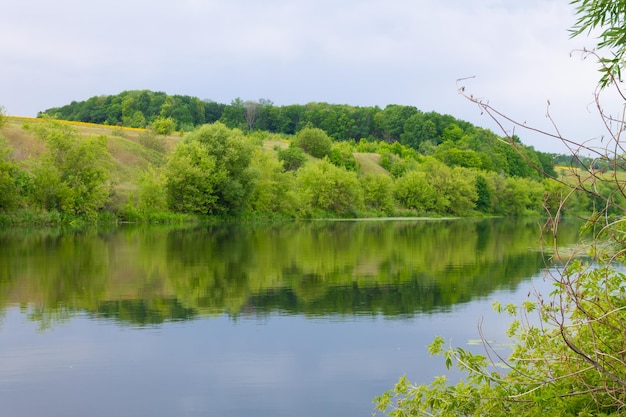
x,y
483,194
152,192
73,175
342,155
417,130
10,192
391,121
326,189
192,178
274,189
452,133
414,191
163,125
313,141
467,158
378,193
233,115
208,171
292,157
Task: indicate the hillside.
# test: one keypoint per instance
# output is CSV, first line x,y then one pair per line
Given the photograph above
x,y
456,142
369,163
82,169
130,155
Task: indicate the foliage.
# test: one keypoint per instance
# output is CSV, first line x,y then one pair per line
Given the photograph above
x,y
325,188
208,171
342,155
567,362
191,179
378,193
608,17
73,174
459,157
395,163
414,191
274,189
313,141
163,125
437,188
516,196
233,116
292,157
201,180
152,194
10,176
454,141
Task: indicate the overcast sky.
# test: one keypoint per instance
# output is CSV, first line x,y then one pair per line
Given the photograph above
x,y
358,52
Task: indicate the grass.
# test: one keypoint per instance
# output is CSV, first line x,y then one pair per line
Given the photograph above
x,y
576,175
370,163
272,144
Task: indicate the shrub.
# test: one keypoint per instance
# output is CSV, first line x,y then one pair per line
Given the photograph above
x,y
292,158
313,141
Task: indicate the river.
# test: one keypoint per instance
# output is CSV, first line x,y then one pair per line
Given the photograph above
x,y
297,318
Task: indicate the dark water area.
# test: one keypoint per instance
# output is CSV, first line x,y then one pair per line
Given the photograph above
x,y
306,319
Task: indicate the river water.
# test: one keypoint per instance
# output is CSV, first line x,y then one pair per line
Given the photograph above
x,y
292,319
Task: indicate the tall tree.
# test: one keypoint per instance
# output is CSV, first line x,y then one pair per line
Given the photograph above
x,y
251,112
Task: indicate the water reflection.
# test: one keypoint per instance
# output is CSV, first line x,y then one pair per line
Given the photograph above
x,y
240,320
151,275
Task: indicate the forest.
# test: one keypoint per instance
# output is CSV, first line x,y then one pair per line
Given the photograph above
x,y
164,158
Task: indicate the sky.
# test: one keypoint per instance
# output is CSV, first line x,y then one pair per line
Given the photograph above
x,y
357,52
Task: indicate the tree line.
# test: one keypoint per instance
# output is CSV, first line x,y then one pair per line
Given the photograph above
x,y
422,131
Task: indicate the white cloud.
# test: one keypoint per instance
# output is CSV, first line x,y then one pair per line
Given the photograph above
x,y
361,52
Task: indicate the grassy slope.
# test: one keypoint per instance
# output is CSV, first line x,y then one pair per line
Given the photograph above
x,y
129,155
370,163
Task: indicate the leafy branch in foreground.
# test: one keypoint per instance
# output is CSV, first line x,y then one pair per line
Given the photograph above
x,y
608,16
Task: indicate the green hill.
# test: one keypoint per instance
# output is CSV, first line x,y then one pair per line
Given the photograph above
x,y
288,161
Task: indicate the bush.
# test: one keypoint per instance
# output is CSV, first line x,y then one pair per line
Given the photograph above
x,y
378,193
313,141
342,155
327,189
73,174
163,125
292,158
10,175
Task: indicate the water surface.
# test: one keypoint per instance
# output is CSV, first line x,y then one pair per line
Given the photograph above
x,y
302,319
